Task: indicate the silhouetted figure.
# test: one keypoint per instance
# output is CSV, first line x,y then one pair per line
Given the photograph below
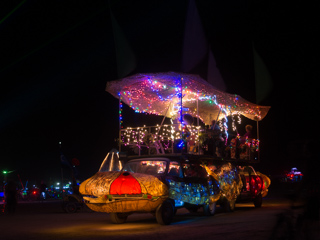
x,y
43,188
11,197
312,182
209,146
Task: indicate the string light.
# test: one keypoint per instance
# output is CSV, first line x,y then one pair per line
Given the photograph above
x,y
120,111
170,97
239,118
137,136
152,94
234,128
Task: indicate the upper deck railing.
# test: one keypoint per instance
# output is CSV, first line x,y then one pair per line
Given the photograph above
x,y
172,138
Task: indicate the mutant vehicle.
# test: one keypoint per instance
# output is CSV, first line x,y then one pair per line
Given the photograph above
x,y
195,158
255,185
157,184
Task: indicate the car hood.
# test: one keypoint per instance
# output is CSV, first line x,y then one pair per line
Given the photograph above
x,y
105,183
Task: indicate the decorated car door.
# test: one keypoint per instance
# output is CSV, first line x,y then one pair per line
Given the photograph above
x,y
189,183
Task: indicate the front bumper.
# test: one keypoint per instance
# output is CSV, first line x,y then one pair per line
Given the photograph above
x,y
123,204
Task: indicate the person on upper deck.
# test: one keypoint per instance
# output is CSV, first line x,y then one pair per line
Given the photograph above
x,y
215,127
248,133
217,136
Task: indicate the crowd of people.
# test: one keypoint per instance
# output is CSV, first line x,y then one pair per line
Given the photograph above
x,y
218,143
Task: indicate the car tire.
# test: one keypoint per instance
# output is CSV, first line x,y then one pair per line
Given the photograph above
x,y
118,218
228,206
258,201
175,211
70,207
164,213
209,209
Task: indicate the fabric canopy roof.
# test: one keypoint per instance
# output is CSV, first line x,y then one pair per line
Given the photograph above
x,y
160,93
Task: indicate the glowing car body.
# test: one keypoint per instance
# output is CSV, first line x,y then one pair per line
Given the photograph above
x,y
161,184
255,186
153,184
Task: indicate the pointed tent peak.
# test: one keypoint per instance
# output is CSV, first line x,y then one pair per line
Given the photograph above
x,y
125,57
214,76
263,79
195,45
111,162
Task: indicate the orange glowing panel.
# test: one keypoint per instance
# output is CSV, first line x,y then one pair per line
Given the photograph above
x,y
125,184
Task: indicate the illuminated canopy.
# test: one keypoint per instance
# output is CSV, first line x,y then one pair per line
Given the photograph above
x,y
160,93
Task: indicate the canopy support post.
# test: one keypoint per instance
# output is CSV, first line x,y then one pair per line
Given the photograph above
x,y
198,124
157,134
217,118
214,149
120,118
163,119
181,117
258,137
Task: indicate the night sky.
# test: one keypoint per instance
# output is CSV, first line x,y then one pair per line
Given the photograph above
x,y
57,56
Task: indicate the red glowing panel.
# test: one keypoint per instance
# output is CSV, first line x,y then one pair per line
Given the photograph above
x,y
125,184
253,185
259,183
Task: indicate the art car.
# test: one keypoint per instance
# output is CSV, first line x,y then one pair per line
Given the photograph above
x,y
193,156
238,182
159,185
254,186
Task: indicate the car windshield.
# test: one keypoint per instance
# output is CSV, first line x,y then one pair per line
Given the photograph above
x,y
146,166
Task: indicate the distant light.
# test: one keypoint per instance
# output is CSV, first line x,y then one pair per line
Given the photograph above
x,y
4,172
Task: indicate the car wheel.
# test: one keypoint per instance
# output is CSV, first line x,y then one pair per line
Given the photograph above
x,y
164,213
228,206
118,218
209,209
175,211
70,207
257,201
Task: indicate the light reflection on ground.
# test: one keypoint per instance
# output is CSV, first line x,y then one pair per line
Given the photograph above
x,y
134,225
50,223
128,226
55,224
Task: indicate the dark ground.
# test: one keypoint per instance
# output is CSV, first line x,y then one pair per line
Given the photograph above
x,y
46,220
